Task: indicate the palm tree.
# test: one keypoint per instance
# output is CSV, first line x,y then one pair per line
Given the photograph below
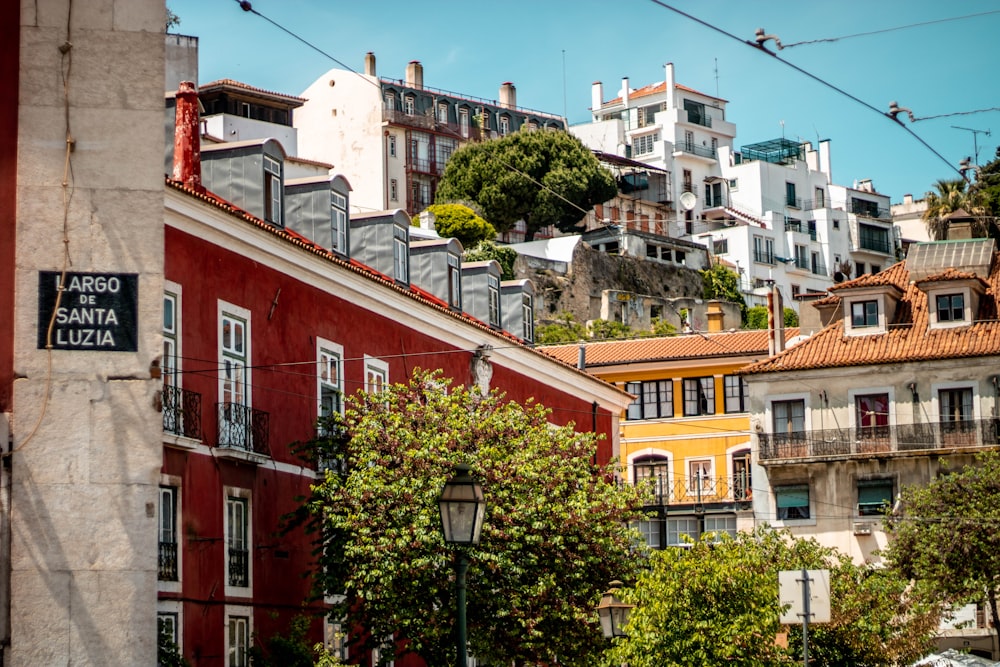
x,y
951,196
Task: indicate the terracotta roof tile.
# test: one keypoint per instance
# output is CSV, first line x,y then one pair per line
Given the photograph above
x,y
908,338
685,346
232,83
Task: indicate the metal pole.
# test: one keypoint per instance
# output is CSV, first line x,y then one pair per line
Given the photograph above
x,y
460,631
805,617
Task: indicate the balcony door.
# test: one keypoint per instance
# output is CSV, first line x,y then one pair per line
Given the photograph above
x,y
234,422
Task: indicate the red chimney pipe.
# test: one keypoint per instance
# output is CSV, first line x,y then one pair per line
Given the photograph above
x,y
187,137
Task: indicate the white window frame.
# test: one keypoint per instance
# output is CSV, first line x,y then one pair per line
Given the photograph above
x,y
393,189
174,609
528,317
238,612
326,351
338,206
392,145
247,496
867,330
743,394
454,281
853,394
675,520
651,458
274,190
463,121
409,105
704,464
171,368
171,482
376,369
644,144
781,398
493,294
811,521
932,309
504,125
442,112
228,311
401,254
938,387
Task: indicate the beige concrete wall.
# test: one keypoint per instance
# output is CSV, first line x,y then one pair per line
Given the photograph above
x,y
86,434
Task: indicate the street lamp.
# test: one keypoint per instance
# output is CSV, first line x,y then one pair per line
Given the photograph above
x,y
462,509
613,612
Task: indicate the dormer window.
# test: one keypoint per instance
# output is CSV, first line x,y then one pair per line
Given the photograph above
x,y
408,105
454,282
951,308
339,206
400,254
272,190
528,315
493,289
864,314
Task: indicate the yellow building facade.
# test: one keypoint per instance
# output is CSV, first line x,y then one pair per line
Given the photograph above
x,y
686,437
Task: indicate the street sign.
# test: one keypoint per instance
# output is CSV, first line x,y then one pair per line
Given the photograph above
x,y
97,311
790,594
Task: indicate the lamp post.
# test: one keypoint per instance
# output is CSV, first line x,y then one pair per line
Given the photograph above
x,y
462,509
613,612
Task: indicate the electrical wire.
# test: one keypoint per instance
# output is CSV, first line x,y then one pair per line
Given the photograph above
x,y
955,113
810,75
885,30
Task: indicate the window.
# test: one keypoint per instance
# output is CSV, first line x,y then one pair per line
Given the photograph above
x,y
763,250
696,113
244,109
168,570
836,223
874,238
819,200
795,289
700,477
408,105
734,184
872,415
737,393
655,399
864,314
715,146
237,541
801,257
874,497
272,190
721,524
169,363
504,126
687,178
742,486
699,396
789,416
234,380
392,145
168,625
238,639
950,308
955,406
493,289
679,529
875,268
400,254
454,282
338,204
389,99
645,144
650,530
486,120
713,195
688,143
528,318
336,639
463,122
817,264
859,269
790,198
394,189
442,112
656,469
376,374
792,502
331,379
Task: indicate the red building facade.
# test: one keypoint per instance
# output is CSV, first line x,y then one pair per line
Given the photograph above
x,y
263,331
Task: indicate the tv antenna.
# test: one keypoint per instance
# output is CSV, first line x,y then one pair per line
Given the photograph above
x,y
975,143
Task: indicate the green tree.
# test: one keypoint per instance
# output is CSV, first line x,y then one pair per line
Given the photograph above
x,y
944,537
716,603
461,222
661,327
555,528
487,250
168,654
291,650
757,317
543,178
610,330
172,20
722,283
564,330
952,195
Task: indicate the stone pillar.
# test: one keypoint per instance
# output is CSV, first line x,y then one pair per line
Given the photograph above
x,y
86,432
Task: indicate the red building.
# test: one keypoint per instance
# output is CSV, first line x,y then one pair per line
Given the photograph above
x,y
264,330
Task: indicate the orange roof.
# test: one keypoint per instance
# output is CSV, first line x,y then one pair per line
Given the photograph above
x,y
231,83
908,338
661,87
667,348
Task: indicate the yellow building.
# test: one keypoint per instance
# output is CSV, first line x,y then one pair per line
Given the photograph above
x,y
687,435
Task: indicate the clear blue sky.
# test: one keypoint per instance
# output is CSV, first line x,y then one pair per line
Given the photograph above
x,y
552,52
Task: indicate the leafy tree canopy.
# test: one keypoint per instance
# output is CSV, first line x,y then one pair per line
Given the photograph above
x,y
541,177
722,283
952,195
757,317
486,250
945,536
461,222
555,529
717,604
567,330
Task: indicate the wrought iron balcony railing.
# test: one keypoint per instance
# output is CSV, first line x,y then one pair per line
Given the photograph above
x,y
181,412
842,443
243,428
168,561
678,491
763,257
239,567
695,149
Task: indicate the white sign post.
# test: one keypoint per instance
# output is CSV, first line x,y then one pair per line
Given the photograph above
x,y
805,596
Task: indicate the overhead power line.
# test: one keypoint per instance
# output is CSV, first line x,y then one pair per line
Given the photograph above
x,y
885,30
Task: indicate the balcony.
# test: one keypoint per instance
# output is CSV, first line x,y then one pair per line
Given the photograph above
x,y
239,567
879,440
762,257
698,491
168,562
695,149
181,412
243,429
699,118
867,209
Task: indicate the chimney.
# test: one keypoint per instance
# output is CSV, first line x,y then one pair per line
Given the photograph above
x,y
370,64
596,97
908,199
415,75
581,358
625,91
824,159
715,317
187,137
508,95
671,85
775,321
